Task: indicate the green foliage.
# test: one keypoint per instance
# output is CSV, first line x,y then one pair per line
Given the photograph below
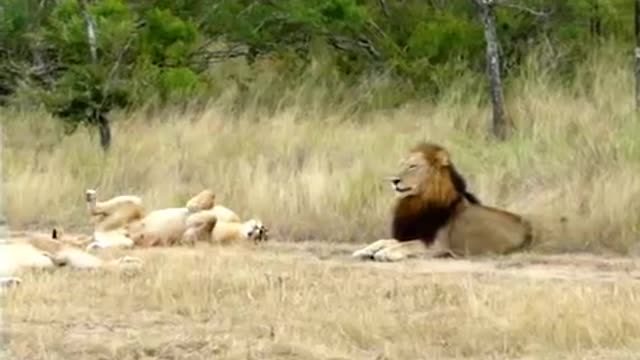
x,y
178,84
167,39
172,51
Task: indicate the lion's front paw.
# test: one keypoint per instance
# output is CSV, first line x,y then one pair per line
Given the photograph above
x,y
363,254
371,250
388,255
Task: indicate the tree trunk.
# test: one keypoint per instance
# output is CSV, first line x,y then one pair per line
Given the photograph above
x,y
499,125
637,53
4,228
91,32
595,23
105,131
98,118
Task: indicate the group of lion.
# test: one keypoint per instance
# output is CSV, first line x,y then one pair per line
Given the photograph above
x,y
434,216
122,222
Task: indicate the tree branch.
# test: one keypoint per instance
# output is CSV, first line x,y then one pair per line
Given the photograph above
x,y
346,43
91,31
519,7
385,8
112,71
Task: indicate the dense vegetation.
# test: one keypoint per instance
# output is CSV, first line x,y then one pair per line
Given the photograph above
x,y
81,59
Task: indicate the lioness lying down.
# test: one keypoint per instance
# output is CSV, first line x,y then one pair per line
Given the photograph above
x,y
123,223
33,250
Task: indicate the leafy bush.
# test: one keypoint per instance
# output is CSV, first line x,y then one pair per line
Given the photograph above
x,y
172,51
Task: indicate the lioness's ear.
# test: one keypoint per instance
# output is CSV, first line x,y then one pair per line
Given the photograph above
x,y
442,158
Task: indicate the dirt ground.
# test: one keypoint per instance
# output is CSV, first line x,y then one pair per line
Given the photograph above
x,y
312,301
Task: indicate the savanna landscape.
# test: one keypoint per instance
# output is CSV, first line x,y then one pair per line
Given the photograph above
x,y
306,143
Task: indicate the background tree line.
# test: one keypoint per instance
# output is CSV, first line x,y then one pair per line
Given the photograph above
x,y
82,58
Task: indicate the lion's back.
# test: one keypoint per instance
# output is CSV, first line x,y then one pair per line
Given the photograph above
x,y
480,230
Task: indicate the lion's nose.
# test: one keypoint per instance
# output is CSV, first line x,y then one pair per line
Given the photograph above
x,y
395,180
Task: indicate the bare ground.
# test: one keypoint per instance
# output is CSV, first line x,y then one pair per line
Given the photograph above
x,y
310,300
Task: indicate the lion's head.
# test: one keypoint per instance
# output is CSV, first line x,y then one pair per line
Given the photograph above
x,y
427,188
427,172
255,230
80,240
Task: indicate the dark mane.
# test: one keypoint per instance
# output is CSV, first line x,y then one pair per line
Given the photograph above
x,y
461,186
412,220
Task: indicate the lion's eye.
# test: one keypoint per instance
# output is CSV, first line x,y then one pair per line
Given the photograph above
x,y
411,167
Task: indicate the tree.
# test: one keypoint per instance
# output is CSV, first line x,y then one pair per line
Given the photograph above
x,y
487,15
83,58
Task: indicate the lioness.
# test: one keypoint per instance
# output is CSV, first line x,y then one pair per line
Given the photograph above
x,y
33,250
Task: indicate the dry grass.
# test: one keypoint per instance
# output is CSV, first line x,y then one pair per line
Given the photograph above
x,y
311,174
311,302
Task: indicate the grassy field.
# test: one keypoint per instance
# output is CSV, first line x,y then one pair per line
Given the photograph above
x,y
310,301
314,175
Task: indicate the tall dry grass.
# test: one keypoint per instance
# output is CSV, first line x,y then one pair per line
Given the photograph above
x,y
314,171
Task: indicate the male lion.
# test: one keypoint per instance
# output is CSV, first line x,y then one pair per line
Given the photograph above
x,y
436,216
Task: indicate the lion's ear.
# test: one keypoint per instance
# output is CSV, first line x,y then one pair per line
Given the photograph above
x,y
442,158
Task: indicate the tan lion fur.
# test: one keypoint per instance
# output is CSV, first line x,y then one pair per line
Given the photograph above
x,y
206,202
204,226
111,217
434,214
199,227
166,227
160,227
114,213
35,250
200,224
223,213
228,232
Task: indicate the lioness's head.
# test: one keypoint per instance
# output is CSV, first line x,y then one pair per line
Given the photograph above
x,y
255,230
58,233
422,168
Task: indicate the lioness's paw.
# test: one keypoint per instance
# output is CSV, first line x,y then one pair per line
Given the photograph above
x,y
90,194
94,246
